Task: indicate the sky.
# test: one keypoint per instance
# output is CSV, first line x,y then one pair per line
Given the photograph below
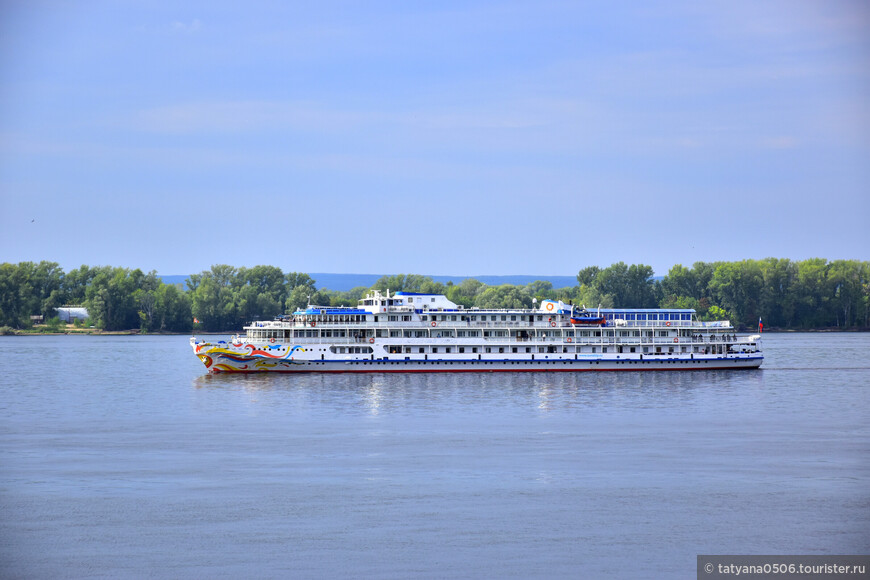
x,y
442,138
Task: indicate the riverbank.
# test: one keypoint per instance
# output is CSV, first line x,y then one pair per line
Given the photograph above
x,y
69,329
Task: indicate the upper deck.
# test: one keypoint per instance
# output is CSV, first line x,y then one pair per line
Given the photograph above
x,y
408,309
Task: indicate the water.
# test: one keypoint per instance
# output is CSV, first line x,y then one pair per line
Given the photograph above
x,y
120,458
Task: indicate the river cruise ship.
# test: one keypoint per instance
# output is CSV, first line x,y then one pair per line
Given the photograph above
x,y
413,332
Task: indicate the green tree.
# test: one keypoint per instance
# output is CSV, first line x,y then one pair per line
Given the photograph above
x,y
409,283
737,288
296,279
588,276
716,313
812,298
12,308
680,281
193,281
777,301
299,298
213,302
629,286
540,288
145,296
504,296
173,309
75,284
465,292
847,280
267,280
703,272
110,298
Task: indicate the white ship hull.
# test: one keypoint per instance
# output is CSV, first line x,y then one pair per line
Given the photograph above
x,y
391,334
225,365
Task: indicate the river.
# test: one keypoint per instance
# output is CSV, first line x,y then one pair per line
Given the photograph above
x,y
120,457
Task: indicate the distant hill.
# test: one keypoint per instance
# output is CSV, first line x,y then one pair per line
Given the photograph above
x,y
344,282
174,278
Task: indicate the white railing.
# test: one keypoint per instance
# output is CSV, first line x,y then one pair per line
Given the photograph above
x,y
585,340
461,324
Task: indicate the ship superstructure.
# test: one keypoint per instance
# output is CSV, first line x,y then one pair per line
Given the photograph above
x,y
415,332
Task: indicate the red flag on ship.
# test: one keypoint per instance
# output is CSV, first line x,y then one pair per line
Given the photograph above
x,y
760,325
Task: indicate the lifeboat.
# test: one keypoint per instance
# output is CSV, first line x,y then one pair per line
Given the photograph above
x,y
586,318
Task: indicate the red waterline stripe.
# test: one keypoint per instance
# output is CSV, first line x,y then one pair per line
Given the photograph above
x,y
493,370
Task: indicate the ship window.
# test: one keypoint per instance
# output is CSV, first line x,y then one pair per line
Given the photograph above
x,y
461,349
434,349
488,349
447,350
431,300
410,299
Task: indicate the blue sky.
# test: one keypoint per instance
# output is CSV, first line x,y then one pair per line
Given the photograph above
x,y
461,138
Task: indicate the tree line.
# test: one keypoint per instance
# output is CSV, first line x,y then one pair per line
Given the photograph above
x,y
787,294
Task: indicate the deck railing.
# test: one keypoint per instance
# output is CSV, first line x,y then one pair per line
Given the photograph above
x,y
459,324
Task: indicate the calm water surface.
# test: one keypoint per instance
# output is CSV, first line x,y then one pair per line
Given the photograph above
x,y
120,457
